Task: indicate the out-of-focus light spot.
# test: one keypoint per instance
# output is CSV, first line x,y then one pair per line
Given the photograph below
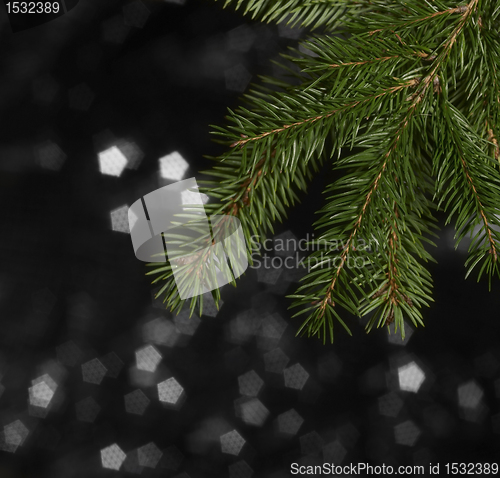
x,y
244,326
149,455
160,331
173,166
289,422
334,452
406,433
37,412
390,404
170,391
285,244
52,372
252,411
240,469
135,14
311,443
81,97
268,275
87,410
411,377
469,395
49,155
272,326
147,358
15,435
186,325
209,307
93,371
232,443
136,402
275,361
69,354
114,30
215,57
295,377
120,219
240,38
112,363
131,463
112,457
42,391
237,78
112,162
47,379
250,384
208,432
394,337
131,151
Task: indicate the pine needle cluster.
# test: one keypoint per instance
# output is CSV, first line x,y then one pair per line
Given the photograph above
x,y
403,98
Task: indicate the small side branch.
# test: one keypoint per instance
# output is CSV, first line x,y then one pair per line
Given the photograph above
x,y
493,246
326,115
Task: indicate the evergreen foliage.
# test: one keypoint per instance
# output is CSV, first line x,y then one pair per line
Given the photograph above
x,y
403,97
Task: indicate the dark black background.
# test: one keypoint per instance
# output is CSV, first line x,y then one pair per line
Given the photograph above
x,y
162,87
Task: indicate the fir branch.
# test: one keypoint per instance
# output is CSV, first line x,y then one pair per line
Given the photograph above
x,y
481,209
466,168
403,87
416,99
299,13
368,198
